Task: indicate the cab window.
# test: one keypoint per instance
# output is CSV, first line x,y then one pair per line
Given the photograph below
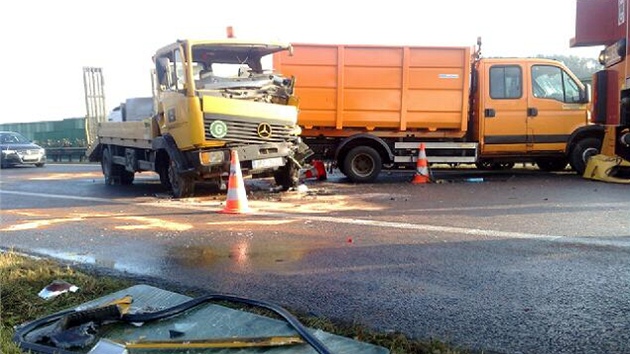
x,y
506,82
551,82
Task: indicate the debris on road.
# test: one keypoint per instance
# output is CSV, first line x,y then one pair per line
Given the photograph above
x,y
56,288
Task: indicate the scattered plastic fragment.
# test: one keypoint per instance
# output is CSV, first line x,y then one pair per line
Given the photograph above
x,y
56,288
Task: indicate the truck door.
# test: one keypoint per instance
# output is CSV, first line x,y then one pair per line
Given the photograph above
x,y
555,108
503,113
172,91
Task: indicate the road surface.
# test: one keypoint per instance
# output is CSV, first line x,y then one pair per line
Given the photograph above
x,y
524,262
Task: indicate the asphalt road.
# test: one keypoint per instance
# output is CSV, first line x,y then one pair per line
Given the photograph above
x,y
524,262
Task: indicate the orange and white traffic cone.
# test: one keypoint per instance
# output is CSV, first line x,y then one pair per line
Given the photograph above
x,y
236,202
422,167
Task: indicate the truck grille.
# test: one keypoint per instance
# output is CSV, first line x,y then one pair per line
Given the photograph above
x,y
245,130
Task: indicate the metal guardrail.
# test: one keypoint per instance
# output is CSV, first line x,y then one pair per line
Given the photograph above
x,y
59,154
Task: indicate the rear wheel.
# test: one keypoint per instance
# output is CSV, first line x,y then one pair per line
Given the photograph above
x,y
582,151
107,166
182,186
362,164
113,173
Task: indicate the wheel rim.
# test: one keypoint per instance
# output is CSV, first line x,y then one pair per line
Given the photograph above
x,y
363,165
588,153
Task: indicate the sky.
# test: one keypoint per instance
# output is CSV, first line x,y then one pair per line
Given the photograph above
x,y
47,43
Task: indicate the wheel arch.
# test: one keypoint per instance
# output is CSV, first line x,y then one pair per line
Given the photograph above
x,y
372,141
166,144
589,131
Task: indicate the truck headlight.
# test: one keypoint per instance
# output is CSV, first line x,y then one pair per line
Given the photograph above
x,y
208,158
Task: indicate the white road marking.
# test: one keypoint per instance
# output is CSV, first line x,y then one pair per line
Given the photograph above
x,y
340,220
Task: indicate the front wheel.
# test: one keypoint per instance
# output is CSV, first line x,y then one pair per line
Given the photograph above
x,y
39,165
287,176
182,186
582,151
362,164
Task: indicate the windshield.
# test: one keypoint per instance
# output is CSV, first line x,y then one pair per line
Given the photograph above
x,y
12,138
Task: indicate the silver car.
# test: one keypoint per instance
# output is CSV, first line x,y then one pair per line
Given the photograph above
x,y
17,150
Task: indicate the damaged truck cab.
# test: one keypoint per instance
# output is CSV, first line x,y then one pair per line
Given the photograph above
x,y
210,97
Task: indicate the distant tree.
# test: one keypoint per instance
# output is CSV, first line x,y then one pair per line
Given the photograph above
x,y
583,68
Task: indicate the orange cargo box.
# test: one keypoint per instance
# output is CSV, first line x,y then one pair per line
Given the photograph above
x,y
379,88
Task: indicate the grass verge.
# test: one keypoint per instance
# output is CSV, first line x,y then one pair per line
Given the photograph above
x,y
23,277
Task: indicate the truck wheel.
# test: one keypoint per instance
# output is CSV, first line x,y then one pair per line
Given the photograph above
x,y
126,177
114,174
181,186
107,165
362,164
164,179
287,176
582,151
551,164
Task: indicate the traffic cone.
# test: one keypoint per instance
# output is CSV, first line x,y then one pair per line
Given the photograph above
x,y
236,202
422,167
317,170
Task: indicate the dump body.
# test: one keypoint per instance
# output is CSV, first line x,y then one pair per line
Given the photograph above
x,y
370,106
391,91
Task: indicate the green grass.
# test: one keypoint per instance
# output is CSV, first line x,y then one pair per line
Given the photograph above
x,y
23,277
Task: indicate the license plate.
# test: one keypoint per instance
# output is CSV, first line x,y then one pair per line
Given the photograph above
x,y
30,157
266,163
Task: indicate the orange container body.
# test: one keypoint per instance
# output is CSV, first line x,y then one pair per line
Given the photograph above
x,y
383,90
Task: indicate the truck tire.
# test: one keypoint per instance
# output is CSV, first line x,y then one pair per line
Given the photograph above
x,y
582,151
551,164
287,176
362,164
181,186
114,174
107,165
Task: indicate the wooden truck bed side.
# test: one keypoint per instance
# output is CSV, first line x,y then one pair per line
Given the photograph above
x,y
137,134
379,88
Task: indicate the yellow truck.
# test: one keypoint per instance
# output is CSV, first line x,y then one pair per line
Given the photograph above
x,y
210,97
368,107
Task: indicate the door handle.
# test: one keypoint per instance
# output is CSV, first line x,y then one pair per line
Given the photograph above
x,y
532,112
489,113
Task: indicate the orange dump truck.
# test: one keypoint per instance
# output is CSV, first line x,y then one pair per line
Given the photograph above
x,y
368,108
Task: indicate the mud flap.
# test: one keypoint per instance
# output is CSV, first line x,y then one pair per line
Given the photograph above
x,y
608,169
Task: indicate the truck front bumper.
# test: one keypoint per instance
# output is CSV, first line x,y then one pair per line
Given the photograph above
x,y
254,159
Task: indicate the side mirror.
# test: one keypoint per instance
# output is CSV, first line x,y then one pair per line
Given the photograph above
x,y
585,95
161,69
